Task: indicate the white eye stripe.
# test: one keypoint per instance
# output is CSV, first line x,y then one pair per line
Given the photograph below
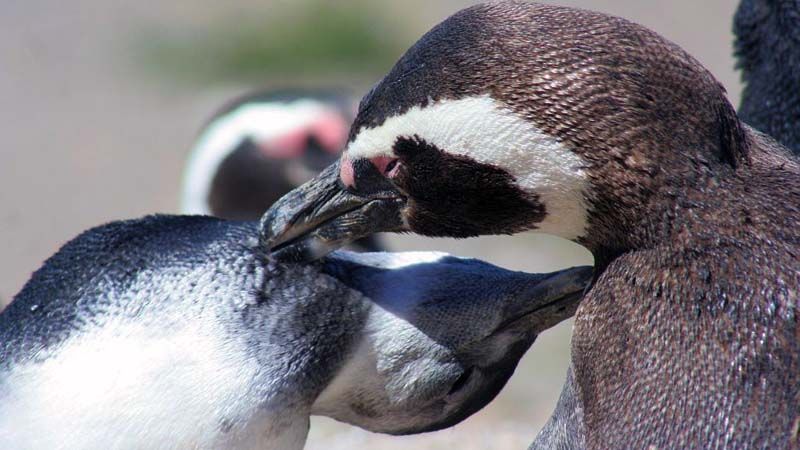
x,y
259,121
484,130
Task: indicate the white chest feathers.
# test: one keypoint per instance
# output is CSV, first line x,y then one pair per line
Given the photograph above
x,y
134,386
486,131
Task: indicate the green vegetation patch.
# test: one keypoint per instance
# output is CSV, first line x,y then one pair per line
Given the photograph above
x,y
319,37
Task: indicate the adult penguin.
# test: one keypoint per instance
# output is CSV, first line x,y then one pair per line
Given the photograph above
x,y
262,145
512,116
768,51
259,147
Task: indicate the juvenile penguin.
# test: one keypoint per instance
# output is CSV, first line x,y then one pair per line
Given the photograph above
x,y
514,116
180,332
768,51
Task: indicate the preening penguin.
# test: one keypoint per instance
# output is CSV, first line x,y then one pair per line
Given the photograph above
x,y
180,332
514,116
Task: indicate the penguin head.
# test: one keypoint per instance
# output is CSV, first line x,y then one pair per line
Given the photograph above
x,y
514,116
442,336
260,147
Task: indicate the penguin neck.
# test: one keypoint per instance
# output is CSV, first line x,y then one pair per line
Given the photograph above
x,y
668,208
647,175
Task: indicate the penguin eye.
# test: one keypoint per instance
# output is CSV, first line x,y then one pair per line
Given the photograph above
x,y
386,165
389,167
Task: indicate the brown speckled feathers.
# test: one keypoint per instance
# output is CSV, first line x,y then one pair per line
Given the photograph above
x,y
689,337
695,343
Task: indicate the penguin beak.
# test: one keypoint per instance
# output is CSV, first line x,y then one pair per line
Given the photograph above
x,y
323,215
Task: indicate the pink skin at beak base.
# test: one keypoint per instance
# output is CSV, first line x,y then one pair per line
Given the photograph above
x,y
347,173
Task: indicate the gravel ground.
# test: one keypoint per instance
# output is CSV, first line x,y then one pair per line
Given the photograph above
x,y
88,138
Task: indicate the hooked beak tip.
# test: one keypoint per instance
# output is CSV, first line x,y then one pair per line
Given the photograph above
x,y
321,216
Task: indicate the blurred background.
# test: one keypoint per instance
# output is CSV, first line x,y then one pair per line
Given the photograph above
x,y
100,101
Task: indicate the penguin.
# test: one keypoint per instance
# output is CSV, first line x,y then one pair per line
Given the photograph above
x,y
182,332
511,117
262,145
767,36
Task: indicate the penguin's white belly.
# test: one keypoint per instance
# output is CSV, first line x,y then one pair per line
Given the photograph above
x,y
137,386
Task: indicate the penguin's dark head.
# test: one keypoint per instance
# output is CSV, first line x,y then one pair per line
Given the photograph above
x,y
441,337
515,116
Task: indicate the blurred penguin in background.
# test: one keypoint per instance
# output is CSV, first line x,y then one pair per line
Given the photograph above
x,y
260,147
768,51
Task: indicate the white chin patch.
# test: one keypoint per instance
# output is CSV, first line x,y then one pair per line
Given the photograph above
x,y
486,131
258,121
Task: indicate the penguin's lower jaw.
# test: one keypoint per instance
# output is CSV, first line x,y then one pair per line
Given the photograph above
x,y
321,216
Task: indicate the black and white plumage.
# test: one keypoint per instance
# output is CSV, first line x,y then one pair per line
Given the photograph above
x,y
180,332
260,147
768,51
513,116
